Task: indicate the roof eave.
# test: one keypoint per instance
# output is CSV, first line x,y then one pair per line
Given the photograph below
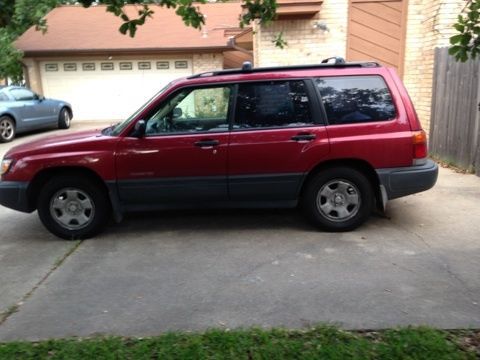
x,y
124,51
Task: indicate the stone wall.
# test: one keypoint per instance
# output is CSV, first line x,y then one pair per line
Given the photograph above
x,y
306,44
429,25
207,62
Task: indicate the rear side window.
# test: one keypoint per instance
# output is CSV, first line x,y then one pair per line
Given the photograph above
x,y
356,99
272,104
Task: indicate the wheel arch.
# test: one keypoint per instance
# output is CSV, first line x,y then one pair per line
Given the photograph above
x,y
69,109
43,176
358,164
10,115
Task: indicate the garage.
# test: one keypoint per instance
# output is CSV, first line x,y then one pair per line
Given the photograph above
x,y
105,75
109,89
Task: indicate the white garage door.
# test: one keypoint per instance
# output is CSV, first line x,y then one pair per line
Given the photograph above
x,y
108,90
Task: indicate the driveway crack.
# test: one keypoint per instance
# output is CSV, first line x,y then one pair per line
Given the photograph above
x,y
16,307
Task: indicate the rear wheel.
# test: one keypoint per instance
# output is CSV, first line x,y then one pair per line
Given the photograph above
x,y
64,119
73,207
338,199
7,129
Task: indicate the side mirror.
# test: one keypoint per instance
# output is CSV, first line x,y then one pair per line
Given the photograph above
x,y
139,129
177,112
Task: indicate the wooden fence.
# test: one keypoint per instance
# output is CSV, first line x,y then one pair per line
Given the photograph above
x,y
455,117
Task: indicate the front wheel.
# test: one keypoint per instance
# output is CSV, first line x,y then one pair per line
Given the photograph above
x,y
338,199
7,129
73,207
64,119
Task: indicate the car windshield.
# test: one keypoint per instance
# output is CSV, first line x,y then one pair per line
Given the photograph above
x,y
116,129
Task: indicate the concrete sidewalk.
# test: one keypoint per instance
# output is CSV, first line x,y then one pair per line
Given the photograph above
x,y
194,270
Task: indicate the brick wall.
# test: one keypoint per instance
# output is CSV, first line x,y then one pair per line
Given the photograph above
x,y
207,62
305,43
429,25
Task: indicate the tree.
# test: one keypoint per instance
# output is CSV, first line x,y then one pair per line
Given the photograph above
x,y
466,44
16,16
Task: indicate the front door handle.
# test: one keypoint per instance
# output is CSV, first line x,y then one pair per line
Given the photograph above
x,y
304,137
207,143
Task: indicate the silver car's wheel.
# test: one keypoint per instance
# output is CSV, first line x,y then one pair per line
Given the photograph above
x,y
338,200
72,208
7,129
64,119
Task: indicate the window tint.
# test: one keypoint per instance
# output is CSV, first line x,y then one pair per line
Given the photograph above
x,y
273,104
356,99
22,94
196,110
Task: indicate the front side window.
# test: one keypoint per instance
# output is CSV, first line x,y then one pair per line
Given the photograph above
x,y
22,94
356,99
272,104
192,110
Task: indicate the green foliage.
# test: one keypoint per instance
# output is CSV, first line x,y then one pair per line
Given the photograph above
x,y
279,41
16,16
466,44
318,343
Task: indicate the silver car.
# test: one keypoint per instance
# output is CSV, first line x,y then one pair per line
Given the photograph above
x,y
22,110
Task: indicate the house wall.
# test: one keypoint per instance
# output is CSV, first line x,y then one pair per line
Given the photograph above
x,y
429,25
207,62
305,43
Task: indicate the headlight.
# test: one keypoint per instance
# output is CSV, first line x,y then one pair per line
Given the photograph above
x,y
6,163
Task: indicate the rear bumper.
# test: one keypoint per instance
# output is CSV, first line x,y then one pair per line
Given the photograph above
x,y
13,194
403,181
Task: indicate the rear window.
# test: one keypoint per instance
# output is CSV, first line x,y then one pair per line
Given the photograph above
x,y
356,99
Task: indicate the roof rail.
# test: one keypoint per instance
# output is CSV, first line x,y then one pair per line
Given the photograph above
x,y
338,62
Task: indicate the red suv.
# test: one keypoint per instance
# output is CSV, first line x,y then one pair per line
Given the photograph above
x,y
338,139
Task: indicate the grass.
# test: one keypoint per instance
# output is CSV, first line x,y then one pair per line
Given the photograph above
x,y
316,343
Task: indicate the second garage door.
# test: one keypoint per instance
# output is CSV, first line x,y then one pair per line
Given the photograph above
x,y
108,90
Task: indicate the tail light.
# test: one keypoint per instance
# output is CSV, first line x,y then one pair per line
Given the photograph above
x,y
419,139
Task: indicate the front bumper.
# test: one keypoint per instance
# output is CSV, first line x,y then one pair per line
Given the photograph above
x,y
403,181
13,194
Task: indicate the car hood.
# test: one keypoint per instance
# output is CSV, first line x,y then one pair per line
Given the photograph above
x,y
53,143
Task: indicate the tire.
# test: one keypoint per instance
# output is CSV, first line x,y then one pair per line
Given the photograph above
x,y
64,119
338,199
7,129
72,207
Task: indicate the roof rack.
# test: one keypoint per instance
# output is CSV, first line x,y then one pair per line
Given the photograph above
x,y
332,62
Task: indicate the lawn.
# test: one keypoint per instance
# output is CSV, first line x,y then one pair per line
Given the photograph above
x,y
316,343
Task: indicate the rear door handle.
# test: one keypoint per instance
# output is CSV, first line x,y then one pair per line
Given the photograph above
x,y
304,137
207,143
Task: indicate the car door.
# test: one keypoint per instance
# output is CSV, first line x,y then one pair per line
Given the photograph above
x,y
34,111
182,159
277,137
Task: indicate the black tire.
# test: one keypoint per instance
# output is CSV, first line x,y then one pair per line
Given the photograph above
x,y
64,119
338,199
71,200
7,129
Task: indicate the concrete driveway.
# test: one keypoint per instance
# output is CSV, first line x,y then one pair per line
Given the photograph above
x,y
194,270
